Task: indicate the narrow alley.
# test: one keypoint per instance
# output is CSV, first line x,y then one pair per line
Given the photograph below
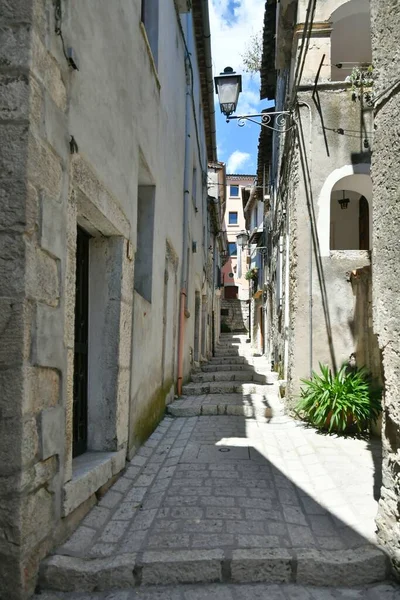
x,y
229,489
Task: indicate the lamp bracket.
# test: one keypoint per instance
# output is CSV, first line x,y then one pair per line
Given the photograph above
x,y
279,121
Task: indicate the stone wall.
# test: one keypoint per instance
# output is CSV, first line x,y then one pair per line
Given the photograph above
x,y
49,186
237,317
386,257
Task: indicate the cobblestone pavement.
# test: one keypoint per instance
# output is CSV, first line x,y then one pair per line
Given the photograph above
x,y
211,498
387,591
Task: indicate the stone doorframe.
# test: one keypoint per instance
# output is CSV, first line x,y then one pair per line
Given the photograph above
x,y
111,268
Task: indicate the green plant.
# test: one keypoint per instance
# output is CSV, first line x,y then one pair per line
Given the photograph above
x,y
251,274
340,401
362,81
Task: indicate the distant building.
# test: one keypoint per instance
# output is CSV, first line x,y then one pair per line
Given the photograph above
x,y
235,310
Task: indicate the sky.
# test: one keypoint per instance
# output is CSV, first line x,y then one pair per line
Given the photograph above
x,y
233,22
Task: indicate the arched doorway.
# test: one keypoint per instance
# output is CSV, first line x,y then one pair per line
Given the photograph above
x,y
350,214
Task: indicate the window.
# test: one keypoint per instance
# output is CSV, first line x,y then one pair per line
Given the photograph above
x,y
233,218
232,248
143,277
234,191
224,312
149,19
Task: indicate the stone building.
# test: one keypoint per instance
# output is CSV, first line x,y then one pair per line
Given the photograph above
x,y
333,211
254,216
385,172
320,210
235,305
107,126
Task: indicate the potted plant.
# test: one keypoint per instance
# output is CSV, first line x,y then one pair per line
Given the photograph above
x,y
362,82
340,401
251,274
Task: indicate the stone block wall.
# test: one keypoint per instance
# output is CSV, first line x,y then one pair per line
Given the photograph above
x,y
386,257
237,317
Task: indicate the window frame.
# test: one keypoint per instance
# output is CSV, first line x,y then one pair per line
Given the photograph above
x,y
230,191
232,253
233,212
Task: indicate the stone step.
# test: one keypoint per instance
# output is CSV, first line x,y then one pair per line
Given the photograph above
x,y
228,352
223,387
215,368
245,375
360,566
254,406
231,360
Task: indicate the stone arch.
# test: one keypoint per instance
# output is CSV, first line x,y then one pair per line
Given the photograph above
x,y
350,37
344,176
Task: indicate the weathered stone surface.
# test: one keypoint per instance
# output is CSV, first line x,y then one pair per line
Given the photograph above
x,y
14,46
53,235
67,573
272,566
385,174
360,566
51,432
47,344
181,567
91,471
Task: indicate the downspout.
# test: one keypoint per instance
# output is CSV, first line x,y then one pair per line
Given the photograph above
x,y
188,151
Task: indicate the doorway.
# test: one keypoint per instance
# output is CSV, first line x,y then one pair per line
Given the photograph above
x,y
80,402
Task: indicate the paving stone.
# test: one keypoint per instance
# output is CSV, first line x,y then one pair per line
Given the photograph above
x,y
272,566
189,566
360,566
283,502
144,519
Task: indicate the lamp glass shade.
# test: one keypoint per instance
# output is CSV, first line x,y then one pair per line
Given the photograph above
x,y
228,86
242,239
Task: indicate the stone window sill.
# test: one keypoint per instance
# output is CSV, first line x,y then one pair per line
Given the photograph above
x,y
90,471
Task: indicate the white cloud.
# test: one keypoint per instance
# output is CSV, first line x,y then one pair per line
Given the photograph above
x,y
236,160
230,35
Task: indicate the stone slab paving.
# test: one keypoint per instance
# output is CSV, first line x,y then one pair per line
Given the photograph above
x,y
233,491
386,591
230,499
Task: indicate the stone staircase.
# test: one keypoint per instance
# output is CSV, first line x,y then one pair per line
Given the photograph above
x,y
229,385
215,497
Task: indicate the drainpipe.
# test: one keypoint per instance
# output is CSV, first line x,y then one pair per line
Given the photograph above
x,y
185,236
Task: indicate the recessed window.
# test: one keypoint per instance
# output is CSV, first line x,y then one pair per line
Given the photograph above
x,y
143,278
234,190
232,248
149,19
224,312
233,218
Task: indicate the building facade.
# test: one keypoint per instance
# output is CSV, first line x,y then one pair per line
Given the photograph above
x,y
105,238
332,214
385,172
235,309
320,209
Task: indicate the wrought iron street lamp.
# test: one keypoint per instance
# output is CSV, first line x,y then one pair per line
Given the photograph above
x,y
242,239
228,86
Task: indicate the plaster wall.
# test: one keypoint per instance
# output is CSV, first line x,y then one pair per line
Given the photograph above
x,y
321,331
385,172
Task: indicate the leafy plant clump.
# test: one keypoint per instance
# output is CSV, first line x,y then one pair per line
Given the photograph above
x,y
340,402
251,274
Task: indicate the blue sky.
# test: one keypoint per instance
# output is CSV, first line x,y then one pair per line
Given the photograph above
x,y
233,22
